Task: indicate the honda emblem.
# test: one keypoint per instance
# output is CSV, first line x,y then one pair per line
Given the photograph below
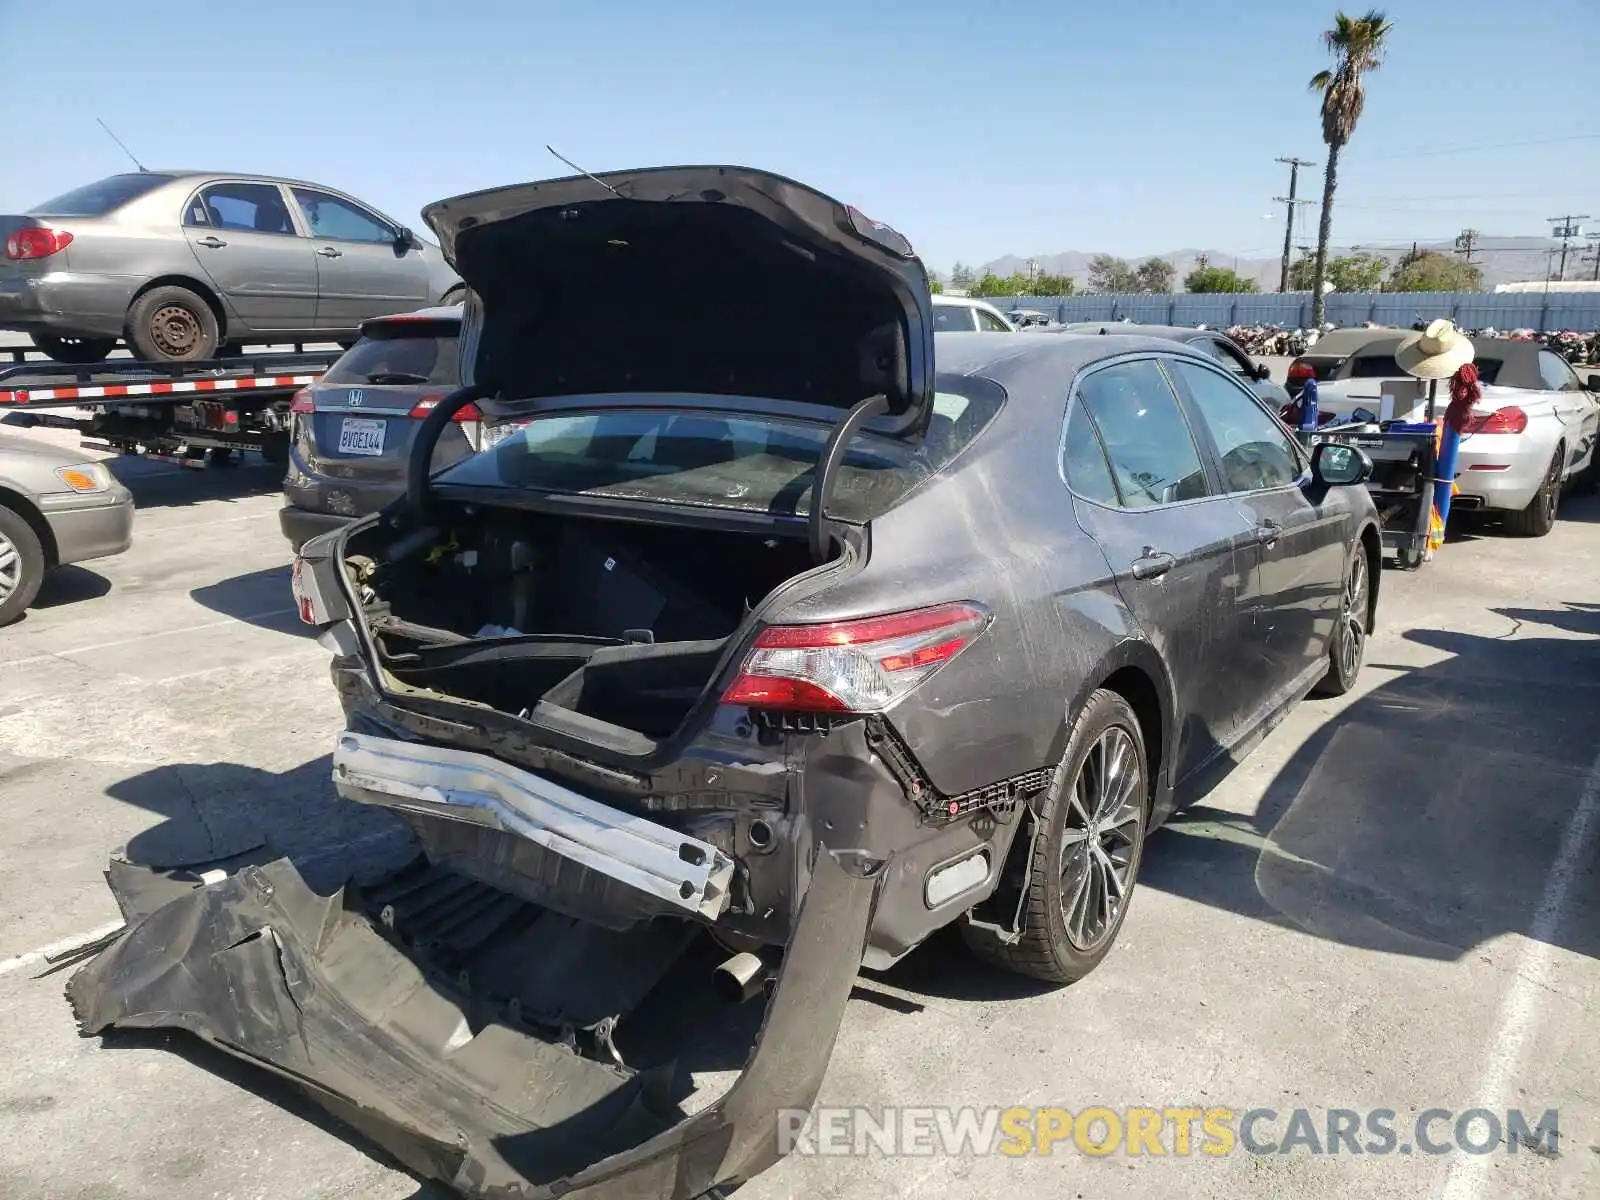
x,y
355,398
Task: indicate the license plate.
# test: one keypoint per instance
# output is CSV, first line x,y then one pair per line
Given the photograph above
x,y
359,436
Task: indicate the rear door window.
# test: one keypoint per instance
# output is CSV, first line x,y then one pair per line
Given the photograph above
x,y
241,207
1083,459
989,323
1147,439
1376,366
1232,359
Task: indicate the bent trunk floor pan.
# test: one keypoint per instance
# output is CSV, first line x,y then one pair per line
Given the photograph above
x,y
308,987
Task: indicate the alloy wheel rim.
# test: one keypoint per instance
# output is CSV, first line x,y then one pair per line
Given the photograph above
x,y
175,329
1552,487
1353,621
10,568
1100,843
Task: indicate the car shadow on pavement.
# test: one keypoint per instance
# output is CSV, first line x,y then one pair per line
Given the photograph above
x,y
1430,815
159,484
264,598
70,585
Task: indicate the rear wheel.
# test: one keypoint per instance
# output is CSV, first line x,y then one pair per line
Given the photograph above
x,y
172,324
74,349
1539,518
21,565
1086,856
1347,647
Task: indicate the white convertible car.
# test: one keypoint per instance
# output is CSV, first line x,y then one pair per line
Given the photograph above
x,y
1532,435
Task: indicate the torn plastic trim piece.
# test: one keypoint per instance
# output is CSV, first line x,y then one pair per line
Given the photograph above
x,y
686,872
322,1003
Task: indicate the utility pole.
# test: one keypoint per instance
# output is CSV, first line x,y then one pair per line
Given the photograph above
x,y
1593,256
1465,241
1566,228
1289,201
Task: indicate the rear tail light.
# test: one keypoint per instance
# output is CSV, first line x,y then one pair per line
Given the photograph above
x,y
861,666
302,402
1300,371
304,595
467,412
1510,419
36,243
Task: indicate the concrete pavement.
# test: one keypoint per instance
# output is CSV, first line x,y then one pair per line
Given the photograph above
x,y
1393,903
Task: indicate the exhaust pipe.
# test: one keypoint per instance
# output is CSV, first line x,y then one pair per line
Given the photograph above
x,y
741,978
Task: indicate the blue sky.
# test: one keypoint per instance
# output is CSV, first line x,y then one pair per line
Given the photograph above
x,y
977,129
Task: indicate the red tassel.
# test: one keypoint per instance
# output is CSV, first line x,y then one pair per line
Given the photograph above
x,y
1464,393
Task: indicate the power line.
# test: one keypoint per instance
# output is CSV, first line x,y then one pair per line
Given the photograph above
x,y
1289,201
1473,148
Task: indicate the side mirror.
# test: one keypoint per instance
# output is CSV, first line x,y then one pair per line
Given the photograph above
x,y
404,238
1333,465
1592,384
1263,372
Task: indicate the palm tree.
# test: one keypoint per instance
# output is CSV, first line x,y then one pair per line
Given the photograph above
x,y
1357,45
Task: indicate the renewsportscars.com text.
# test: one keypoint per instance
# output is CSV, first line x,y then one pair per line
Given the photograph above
x,y
1165,1131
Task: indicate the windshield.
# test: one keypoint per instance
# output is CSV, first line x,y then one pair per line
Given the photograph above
x,y
725,460
99,198
397,357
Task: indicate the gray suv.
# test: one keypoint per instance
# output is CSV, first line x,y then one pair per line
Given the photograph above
x,y
181,264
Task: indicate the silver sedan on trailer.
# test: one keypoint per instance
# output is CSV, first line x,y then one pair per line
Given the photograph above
x,y
182,263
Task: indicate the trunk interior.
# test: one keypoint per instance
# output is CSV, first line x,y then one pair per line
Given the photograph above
x,y
621,622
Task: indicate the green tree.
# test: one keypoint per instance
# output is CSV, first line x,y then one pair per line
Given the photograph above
x,y
1357,45
1000,285
1053,285
1112,275
1154,275
962,276
935,286
1359,272
1206,278
1431,271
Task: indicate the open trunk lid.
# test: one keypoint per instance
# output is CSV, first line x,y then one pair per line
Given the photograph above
x,y
789,297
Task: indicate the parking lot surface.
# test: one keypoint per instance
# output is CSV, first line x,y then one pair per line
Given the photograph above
x,y
1394,903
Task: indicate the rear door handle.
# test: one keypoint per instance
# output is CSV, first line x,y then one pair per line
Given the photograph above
x,y
1267,532
329,252
211,242
1152,564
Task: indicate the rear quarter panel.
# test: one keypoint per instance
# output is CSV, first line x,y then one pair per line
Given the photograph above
x,y
998,530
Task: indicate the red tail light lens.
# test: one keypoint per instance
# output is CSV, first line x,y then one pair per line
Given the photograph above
x,y
1300,371
302,402
36,243
467,412
1510,419
861,666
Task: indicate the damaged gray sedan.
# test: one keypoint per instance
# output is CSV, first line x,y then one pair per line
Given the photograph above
x,y
758,650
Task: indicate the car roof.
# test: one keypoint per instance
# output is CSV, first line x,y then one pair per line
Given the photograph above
x,y
1045,357
1519,360
962,301
1176,333
190,175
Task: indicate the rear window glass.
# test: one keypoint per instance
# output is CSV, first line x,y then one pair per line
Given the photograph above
x,y
99,198
727,460
399,360
1384,366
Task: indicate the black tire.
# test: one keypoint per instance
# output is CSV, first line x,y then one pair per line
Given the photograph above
x,y
75,350
220,456
453,297
1347,648
1539,518
172,324
275,449
22,565
1047,948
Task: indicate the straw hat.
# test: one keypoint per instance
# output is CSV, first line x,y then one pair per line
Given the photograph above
x,y
1438,352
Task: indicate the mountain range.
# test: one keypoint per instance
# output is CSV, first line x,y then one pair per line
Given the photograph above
x,y
1503,260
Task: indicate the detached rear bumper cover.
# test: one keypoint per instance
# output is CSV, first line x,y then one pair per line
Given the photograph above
x,y
265,969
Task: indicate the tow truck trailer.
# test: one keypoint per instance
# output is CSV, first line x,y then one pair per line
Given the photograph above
x,y
210,408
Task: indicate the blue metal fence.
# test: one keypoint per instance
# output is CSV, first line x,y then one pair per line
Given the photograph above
x,y
1471,310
